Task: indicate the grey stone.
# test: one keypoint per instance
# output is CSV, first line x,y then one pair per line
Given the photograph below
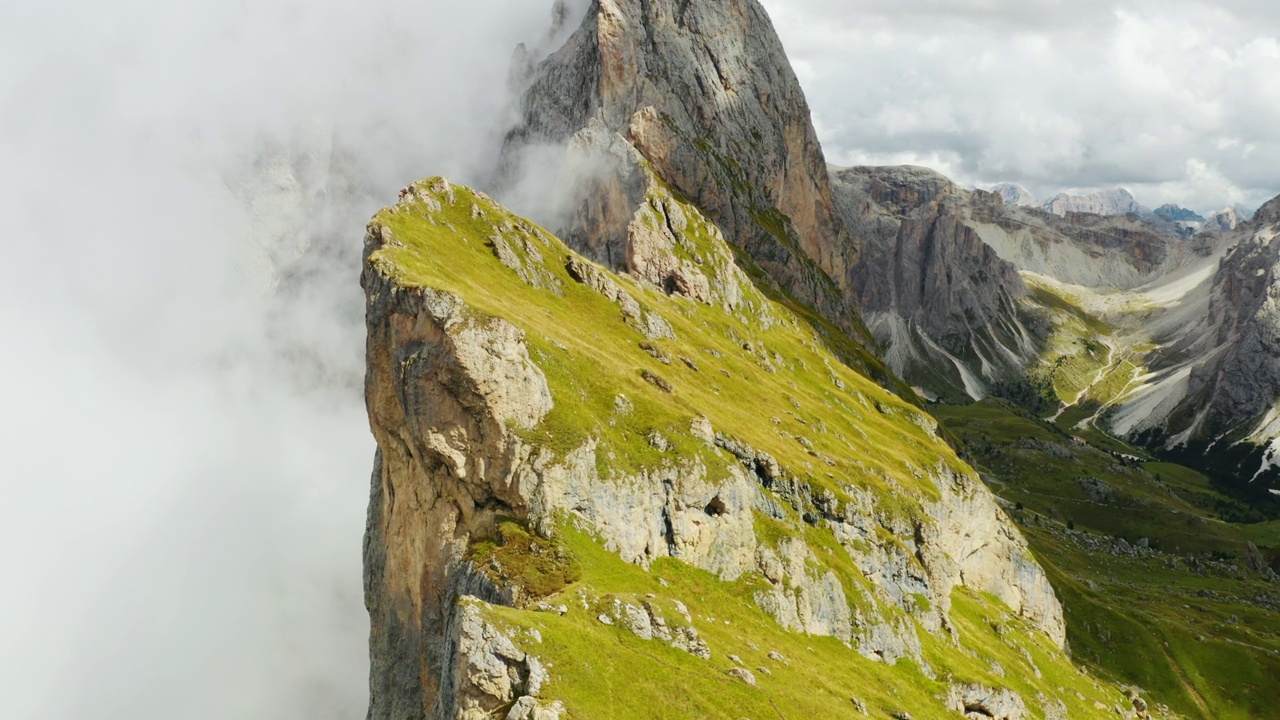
x,y
978,702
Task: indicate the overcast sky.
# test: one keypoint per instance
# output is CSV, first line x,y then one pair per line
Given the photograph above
x,y
184,456
1177,100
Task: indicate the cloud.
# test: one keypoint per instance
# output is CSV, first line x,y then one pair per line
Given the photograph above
x,y
184,455
1174,100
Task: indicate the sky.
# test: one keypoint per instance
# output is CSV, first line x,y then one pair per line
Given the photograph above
x,y
184,453
1175,100
184,456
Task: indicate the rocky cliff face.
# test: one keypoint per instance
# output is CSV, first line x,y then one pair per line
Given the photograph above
x,y
698,97
939,281
518,392
1015,195
945,306
1224,221
1245,309
1219,373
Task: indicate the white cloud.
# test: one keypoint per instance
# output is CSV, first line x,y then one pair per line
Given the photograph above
x,y
184,455
1174,100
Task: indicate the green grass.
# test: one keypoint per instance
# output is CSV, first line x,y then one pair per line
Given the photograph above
x,y
1200,642
1264,535
763,375
605,671
520,559
768,372
1088,363
1196,642
1169,505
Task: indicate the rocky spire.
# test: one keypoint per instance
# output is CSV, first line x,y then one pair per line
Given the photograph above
x,y
699,97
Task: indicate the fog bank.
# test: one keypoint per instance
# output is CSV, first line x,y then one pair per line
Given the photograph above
x,y
184,456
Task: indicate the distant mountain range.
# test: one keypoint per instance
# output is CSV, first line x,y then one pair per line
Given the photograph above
x,y
1171,218
1116,201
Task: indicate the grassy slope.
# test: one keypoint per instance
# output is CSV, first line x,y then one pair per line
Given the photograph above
x,y
787,386
1088,364
762,375
604,671
1144,620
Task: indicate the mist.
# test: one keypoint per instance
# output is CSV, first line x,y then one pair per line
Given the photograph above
x,y
184,457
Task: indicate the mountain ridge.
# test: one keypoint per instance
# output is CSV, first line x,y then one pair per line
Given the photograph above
x,y
476,421
650,460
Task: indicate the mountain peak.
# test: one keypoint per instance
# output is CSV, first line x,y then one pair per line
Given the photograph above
x,y
1224,220
701,97
1268,213
1015,195
1113,201
1177,213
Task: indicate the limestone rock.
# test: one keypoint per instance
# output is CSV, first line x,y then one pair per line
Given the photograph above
x,y
528,708
444,392
801,598
491,671
1224,221
648,621
940,300
1254,561
978,702
1219,369
715,112
969,541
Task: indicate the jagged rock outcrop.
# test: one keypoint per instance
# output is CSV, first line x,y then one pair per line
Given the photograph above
x,y
1219,373
1224,221
977,702
1177,213
444,392
699,97
944,305
1246,313
492,674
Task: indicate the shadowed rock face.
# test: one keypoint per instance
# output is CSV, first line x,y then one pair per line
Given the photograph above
x,y
938,275
704,95
442,392
932,292
1235,349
